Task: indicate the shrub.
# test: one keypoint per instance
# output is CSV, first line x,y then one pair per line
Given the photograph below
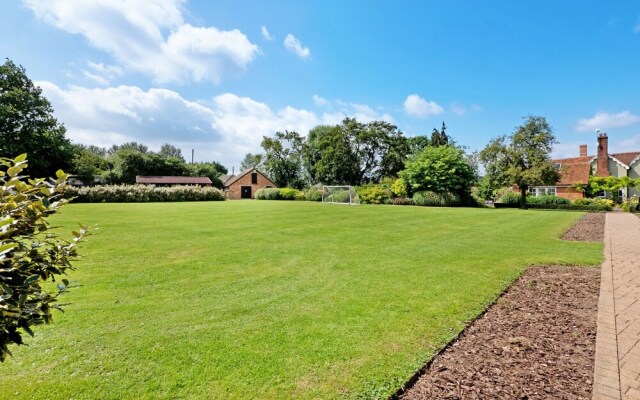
x,y
300,196
268,194
402,201
314,194
142,193
509,198
589,201
548,199
287,193
630,205
575,207
432,199
399,188
374,194
30,253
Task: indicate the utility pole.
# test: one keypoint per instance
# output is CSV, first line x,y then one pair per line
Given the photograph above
x,y
192,151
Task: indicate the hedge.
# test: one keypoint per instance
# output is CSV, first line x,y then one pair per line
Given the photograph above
x,y
142,193
575,207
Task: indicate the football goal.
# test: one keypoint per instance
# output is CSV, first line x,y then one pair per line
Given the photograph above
x,y
339,195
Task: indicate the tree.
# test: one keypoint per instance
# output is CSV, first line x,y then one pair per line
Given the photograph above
x,y
440,169
328,156
27,124
439,137
31,254
283,159
522,159
168,150
251,161
87,163
212,170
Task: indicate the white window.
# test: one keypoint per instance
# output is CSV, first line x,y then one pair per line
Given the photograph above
x,y
542,191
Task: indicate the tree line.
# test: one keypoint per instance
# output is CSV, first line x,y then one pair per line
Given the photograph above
x,y
349,153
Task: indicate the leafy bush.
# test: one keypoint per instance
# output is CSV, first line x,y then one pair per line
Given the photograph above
x,y
630,205
374,194
576,207
287,193
432,199
509,198
142,193
30,253
268,194
399,188
402,201
547,199
588,201
300,196
339,196
314,194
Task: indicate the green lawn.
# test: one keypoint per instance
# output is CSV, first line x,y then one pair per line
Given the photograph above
x,y
272,300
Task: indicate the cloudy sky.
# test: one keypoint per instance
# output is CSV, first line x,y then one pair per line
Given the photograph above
x,y
217,76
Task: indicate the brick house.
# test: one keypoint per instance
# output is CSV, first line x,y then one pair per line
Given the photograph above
x,y
245,184
578,169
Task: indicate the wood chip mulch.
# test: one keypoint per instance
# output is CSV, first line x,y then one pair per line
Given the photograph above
x,y
536,342
590,228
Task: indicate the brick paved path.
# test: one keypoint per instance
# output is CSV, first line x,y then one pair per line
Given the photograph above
x,y
617,364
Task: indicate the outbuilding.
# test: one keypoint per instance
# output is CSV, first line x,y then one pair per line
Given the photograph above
x,y
245,184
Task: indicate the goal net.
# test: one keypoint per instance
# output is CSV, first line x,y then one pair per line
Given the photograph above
x,y
340,195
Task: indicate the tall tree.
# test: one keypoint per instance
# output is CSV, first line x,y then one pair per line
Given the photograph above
x,y
439,137
169,150
522,158
440,169
283,158
251,161
328,157
27,124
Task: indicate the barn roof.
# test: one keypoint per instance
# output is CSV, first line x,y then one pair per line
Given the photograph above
x,y
173,180
574,170
234,179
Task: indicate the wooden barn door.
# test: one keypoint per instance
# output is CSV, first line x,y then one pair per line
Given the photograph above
x,y
245,192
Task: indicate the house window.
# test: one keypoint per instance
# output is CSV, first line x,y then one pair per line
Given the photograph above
x,y
254,178
542,191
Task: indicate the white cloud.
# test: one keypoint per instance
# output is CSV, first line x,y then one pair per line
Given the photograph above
x,y
265,33
223,131
458,109
361,112
320,101
101,73
476,107
293,44
603,120
416,106
151,37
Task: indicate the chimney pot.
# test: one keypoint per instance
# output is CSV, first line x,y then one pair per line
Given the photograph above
x,y
583,150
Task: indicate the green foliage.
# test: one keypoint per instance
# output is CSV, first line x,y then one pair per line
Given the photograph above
x,y
433,199
27,124
268,194
571,207
547,199
610,185
402,201
88,163
251,161
283,158
31,253
399,188
509,197
522,159
212,170
314,193
288,193
588,201
375,194
631,205
168,150
142,193
439,169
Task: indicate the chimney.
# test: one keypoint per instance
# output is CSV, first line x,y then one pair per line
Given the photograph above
x,y
583,150
603,155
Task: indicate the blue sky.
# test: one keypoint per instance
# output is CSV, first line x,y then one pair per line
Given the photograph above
x,y
217,76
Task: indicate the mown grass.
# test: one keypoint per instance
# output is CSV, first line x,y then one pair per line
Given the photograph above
x,y
274,300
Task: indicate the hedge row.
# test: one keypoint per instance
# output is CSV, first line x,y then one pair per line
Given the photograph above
x,y
576,207
142,193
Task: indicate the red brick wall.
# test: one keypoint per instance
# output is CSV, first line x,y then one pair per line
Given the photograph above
x,y
233,191
569,193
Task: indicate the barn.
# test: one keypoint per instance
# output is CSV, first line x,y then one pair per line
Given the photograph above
x,y
245,184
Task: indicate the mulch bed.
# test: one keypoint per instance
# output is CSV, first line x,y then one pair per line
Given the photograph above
x,y
590,228
536,342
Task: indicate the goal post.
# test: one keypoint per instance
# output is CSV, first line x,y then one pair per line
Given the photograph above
x,y
340,195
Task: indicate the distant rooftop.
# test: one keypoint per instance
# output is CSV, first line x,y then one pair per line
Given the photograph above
x,y
173,180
